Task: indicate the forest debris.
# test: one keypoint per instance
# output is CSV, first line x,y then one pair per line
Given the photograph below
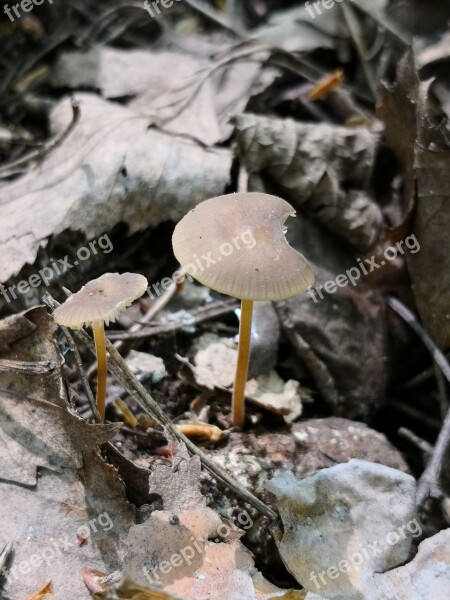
x,y
339,512
312,445
323,169
201,430
169,88
46,590
81,185
214,361
14,328
37,430
124,411
74,494
215,365
144,363
269,391
296,30
127,590
178,484
187,549
327,85
419,137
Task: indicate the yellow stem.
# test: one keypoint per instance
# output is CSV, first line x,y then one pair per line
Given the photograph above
x,y
245,331
100,347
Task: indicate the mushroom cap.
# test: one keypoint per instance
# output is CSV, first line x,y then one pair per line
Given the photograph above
x,y
101,299
235,244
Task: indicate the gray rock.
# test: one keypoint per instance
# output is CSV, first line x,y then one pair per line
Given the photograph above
x,y
344,524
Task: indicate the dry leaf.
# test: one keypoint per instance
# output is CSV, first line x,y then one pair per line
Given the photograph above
x,y
111,169
170,88
323,169
419,136
272,393
56,486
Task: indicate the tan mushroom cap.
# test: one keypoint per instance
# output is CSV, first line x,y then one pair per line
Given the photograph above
x,y
101,299
235,244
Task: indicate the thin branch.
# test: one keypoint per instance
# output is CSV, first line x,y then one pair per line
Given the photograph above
x,y
205,313
429,483
82,373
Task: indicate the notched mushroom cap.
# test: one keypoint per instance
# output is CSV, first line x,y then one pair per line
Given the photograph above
x,y
235,244
101,299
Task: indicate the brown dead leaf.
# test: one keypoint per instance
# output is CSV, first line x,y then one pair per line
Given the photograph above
x,y
323,169
421,141
37,429
54,483
169,88
110,154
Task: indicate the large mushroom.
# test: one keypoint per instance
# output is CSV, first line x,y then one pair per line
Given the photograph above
x,y
235,244
99,302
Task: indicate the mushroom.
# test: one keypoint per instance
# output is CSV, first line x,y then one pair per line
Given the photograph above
x,y
235,244
97,303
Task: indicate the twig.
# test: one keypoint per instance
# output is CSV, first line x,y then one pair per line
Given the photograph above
x,y
428,485
121,372
205,313
385,23
420,378
436,352
409,435
442,390
154,309
82,373
4,557
418,415
355,33
41,367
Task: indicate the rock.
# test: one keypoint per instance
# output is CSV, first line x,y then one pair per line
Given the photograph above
x,y
345,523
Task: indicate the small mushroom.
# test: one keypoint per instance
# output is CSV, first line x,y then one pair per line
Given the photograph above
x,y
235,244
99,302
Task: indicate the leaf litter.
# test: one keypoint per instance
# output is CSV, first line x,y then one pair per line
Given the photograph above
x,y
162,115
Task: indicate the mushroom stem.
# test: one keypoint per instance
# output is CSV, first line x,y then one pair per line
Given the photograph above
x,y
100,347
245,330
